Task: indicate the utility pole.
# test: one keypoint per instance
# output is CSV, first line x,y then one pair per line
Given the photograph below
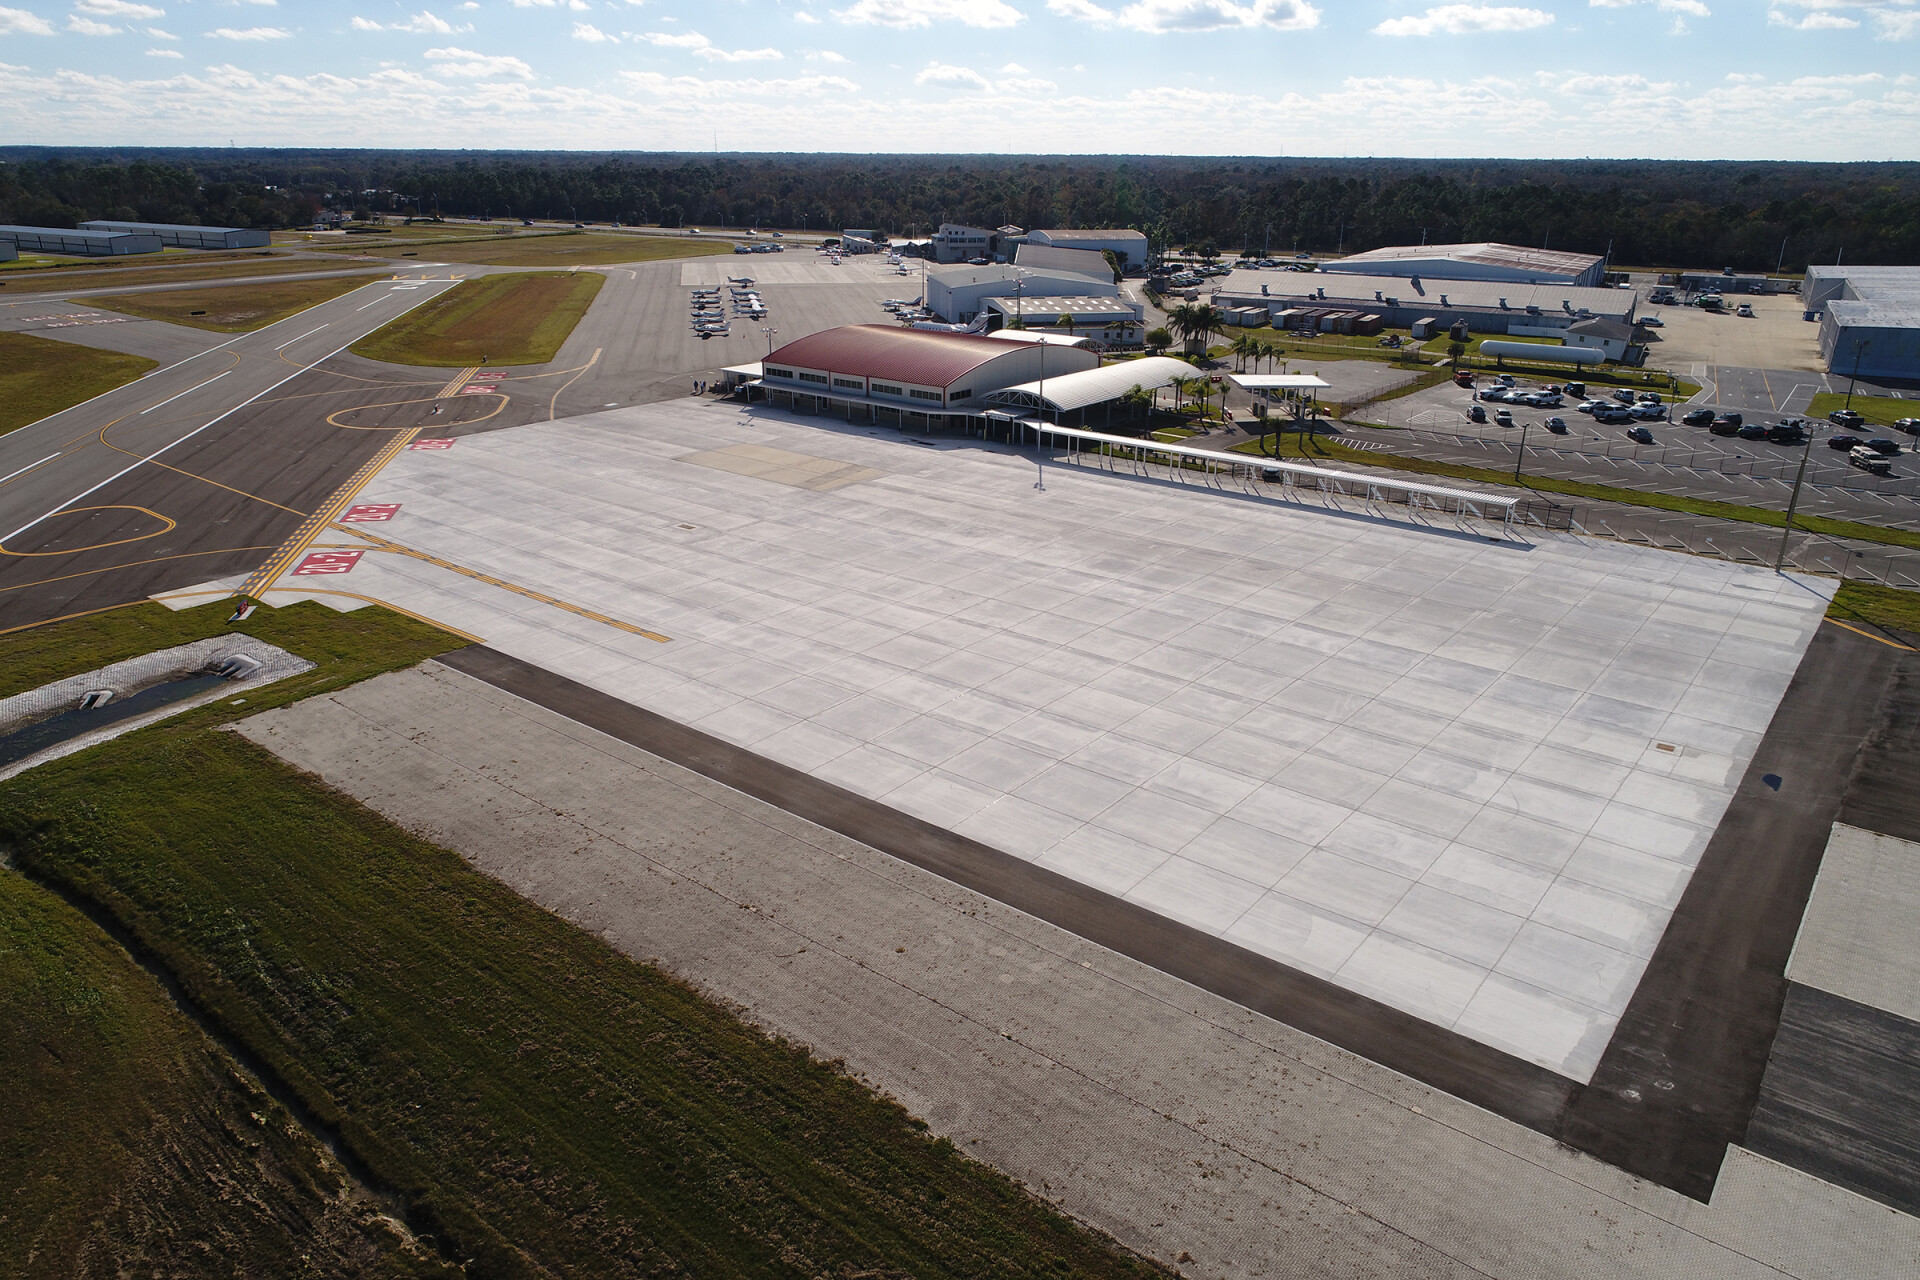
x,y
1793,502
1859,346
1521,456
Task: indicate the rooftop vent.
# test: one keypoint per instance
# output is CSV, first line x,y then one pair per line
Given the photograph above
x,y
1503,304
1444,302
1376,295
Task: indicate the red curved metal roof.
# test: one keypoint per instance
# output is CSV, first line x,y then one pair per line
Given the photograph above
x,y
927,357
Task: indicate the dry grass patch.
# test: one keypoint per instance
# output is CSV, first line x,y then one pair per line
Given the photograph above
x,y
39,376
235,308
495,320
564,249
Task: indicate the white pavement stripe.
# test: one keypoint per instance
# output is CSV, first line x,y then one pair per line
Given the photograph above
x,y
30,466
290,341
189,391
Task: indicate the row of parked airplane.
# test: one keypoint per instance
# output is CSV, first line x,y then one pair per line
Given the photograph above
x,y
710,319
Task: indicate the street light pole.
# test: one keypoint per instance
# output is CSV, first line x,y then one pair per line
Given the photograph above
x,y
1521,456
1793,502
1859,346
769,331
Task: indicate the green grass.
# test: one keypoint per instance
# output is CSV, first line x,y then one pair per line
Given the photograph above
x,y
515,319
234,308
121,275
39,376
1323,449
543,1105
1880,410
553,249
1878,606
123,1116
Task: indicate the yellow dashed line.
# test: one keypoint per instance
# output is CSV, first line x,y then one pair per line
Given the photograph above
x,y
385,544
293,548
459,381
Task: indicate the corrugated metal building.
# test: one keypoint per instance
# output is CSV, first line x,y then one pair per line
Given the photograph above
x,y
957,294
1130,246
181,236
1505,263
79,244
7,252
1486,306
1869,319
1086,262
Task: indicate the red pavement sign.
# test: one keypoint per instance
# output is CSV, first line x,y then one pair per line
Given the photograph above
x,y
369,511
489,375
446,443
478,389
327,562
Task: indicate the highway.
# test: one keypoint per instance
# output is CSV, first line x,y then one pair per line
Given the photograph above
x,y
202,467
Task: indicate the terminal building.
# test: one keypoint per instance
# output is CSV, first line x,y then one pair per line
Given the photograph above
x,y
1334,303
179,236
1504,263
918,379
1869,319
79,244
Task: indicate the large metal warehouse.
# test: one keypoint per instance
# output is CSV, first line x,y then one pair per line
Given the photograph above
x,y
7,252
178,236
1129,246
79,244
958,294
1505,263
1533,310
1869,319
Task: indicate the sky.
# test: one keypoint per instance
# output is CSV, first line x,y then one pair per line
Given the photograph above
x,y
1663,79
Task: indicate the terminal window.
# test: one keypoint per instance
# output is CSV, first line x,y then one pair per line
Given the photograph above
x,y
851,384
885,390
820,378
779,373
924,395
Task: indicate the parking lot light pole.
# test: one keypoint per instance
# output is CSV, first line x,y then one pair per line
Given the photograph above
x,y
1521,456
769,332
1859,346
1792,502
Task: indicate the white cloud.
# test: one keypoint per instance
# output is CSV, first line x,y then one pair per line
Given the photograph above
x,y
1028,84
359,23
18,22
1013,69
902,14
248,33
592,35
425,23
1085,10
1904,25
578,6
158,34
1158,16
118,9
88,27
1692,8
165,53
679,87
701,47
804,17
667,40
478,66
825,55
941,73
1461,19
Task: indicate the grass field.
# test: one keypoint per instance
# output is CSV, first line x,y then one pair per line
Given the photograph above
x,y
1878,606
1320,448
198,268
540,1104
563,249
1880,410
499,320
39,376
234,308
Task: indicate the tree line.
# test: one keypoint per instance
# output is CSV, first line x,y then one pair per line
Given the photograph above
x,y
1747,215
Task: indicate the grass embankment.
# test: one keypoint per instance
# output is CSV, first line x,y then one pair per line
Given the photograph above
x,y
39,376
1888,607
541,1104
553,249
1319,448
495,320
120,275
135,1146
236,308
1880,410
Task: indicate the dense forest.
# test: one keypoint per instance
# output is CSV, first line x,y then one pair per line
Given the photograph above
x,y
1749,215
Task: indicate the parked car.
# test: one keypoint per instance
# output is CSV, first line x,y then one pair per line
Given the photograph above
x,y
1883,446
1590,406
1652,322
1845,418
1503,416
1734,418
1752,431
1868,460
1786,433
1476,414
1843,443
1493,395
1650,397
1649,412
1744,309
1623,395
1504,379
1641,434
1697,417
1557,425
1724,427
1909,425
1612,416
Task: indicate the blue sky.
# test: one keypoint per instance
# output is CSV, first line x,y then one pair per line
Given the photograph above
x,y
1784,79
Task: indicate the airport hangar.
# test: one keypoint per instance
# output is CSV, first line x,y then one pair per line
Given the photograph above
x,y
1869,319
938,380
1487,306
958,294
79,244
175,235
1505,263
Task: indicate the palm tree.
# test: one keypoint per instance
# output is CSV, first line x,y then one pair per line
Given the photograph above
x,y
1137,400
1247,347
1065,322
1195,322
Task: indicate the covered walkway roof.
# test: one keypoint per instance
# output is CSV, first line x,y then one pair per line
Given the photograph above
x,y
1072,391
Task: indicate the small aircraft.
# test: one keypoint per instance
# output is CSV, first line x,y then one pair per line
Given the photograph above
x,y
739,279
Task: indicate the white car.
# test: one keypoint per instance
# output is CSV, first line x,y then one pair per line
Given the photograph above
x,y
1652,322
